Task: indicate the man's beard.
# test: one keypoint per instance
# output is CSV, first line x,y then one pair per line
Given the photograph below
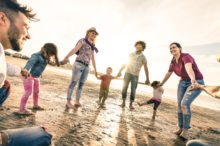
x,y
15,45
13,35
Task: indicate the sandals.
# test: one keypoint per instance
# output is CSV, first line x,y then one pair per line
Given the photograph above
x,y
184,135
25,113
77,105
178,132
68,107
38,108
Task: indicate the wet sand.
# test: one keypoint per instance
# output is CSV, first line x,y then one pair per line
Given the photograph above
x,y
112,126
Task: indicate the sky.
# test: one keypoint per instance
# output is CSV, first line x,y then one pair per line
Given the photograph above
x,y
120,23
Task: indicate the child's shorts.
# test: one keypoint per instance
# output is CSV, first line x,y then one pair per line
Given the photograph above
x,y
155,102
103,93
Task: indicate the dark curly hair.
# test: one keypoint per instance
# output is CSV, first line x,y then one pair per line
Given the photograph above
x,y
142,43
154,83
12,7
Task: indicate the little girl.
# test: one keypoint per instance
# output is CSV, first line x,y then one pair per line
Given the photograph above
x,y
35,66
156,99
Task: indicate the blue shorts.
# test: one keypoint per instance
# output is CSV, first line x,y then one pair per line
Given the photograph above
x,y
4,92
31,136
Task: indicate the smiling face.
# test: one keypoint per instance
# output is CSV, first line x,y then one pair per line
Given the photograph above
x,y
174,50
92,35
109,71
139,48
16,31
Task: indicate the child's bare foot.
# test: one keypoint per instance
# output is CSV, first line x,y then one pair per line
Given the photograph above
x,y
38,108
101,106
178,132
153,117
131,106
123,105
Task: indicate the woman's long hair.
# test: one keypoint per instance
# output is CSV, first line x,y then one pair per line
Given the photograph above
x,y
49,50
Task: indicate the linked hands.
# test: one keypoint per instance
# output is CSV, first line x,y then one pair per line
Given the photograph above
x,y
147,82
64,61
25,73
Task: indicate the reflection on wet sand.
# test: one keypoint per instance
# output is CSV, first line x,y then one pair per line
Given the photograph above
x,y
122,138
111,126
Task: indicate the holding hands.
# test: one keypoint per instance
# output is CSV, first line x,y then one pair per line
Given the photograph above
x,y
119,74
147,82
64,61
25,73
160,84
96,74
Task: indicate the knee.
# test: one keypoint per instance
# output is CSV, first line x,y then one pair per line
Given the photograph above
x,y
179,109
81,85
184,108
36,91
28,92
125,88
133,91
72,84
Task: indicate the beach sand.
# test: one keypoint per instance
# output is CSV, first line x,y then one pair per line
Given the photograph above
x,y
111,126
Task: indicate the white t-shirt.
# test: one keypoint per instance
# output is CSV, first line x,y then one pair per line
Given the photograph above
x,y
2,66
135,63
158,92
6,68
